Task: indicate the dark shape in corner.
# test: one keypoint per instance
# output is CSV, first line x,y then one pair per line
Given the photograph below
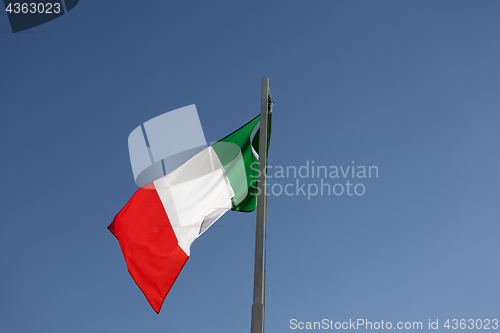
x,y
44,12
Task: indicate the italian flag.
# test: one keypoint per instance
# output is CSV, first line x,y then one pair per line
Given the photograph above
x,y
156,227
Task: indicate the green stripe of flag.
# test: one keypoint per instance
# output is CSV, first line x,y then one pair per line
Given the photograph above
x,y
243,173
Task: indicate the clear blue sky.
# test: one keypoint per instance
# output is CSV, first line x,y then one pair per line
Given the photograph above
x,y
411,87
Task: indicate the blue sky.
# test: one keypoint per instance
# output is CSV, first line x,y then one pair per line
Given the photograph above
x,y
411,87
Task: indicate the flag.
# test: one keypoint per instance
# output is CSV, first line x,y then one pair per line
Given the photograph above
x,y
156,227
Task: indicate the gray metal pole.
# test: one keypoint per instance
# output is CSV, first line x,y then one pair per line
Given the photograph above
x,y
260,232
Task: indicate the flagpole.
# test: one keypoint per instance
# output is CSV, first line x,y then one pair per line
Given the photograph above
x,y
260,230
